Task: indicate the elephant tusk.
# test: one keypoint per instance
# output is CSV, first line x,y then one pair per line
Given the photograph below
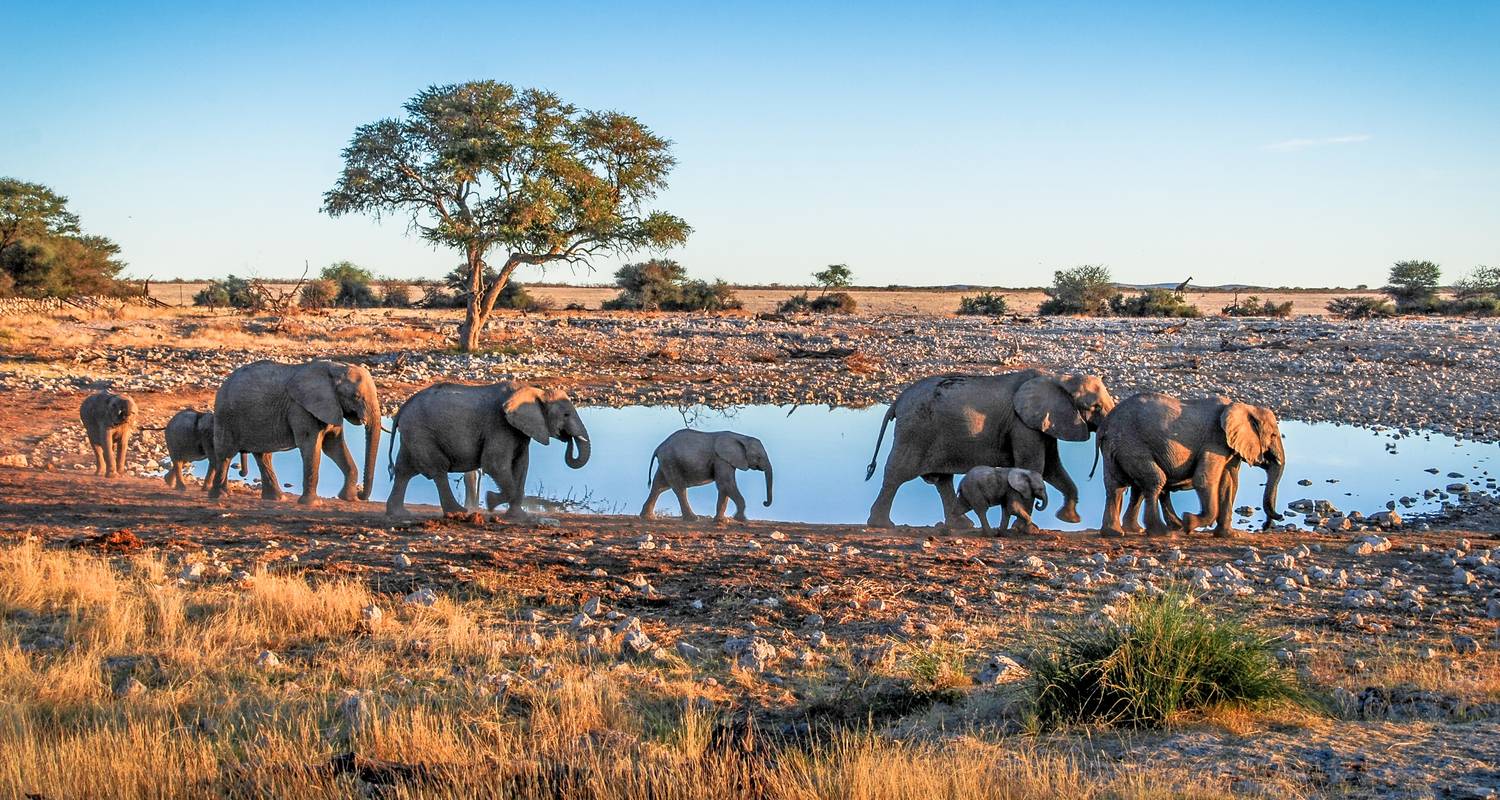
x,y
580,438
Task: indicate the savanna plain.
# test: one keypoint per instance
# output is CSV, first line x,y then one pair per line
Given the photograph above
x,y
158,644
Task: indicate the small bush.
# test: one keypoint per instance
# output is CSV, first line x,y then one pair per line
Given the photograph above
x,y
1168,655
1413,284
1361,307
830,303
317,294
353,282
395,294
232,292
513,295
1153,303
1086,289
662,285
985,304
1252,306
1474,305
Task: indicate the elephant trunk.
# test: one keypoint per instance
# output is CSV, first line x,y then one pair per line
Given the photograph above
x,y
1273,477
578,451
768,484
1041,501
373,424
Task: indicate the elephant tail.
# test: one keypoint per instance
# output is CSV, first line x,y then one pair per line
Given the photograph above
x,y
390,446
650,468
1098,446
890,414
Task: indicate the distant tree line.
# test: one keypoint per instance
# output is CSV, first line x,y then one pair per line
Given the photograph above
x,y
44,251
1413,288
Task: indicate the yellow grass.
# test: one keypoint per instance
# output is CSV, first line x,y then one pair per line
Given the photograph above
x,y
446,687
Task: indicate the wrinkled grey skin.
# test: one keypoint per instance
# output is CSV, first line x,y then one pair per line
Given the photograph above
x,y
108,419
1016,491
1152,443
451,427
695,458
948,424
267,407
190,437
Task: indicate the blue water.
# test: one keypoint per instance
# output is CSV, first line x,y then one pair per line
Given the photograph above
x,y
820,455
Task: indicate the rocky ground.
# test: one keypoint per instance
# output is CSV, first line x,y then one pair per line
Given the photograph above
x,y
1393,629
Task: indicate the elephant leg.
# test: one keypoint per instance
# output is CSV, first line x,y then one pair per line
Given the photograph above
x,y
270,485
1229,486
680,489
403,472
210,476
122,446
512,483
471,490
337,449
311,445
446,499
1114,492
729,490
1053,472
1168,512
658,485
981,511
1206,484
953,519
1151,488
98,459
898,471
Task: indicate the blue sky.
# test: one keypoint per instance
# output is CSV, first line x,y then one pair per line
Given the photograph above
x,y
935,143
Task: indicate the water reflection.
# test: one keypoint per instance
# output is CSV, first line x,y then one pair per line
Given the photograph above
x,y
820,456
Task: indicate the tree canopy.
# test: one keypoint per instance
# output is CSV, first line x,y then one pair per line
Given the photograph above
x,y
483,167
837,276
43,250
1414,285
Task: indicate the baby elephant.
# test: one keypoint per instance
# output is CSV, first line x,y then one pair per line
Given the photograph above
x,y
694,458
1014,490
190,437
109,419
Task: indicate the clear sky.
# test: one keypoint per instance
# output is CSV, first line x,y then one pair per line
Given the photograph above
x,y
921,143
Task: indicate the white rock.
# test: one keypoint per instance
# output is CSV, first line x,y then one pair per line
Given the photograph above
x,y
267,660
422,597
999,669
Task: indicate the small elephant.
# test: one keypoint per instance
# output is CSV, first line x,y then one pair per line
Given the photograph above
x,y
695,458
1014,490
267,407
109,419
453,427
190,437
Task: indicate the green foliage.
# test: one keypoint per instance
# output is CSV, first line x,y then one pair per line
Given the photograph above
x,y
1481,281
515,296
484,166
1414,285
1252,306
1166,656
231,292
1483,305
837,276
44,253
318,293
353,284
662,285
984,304
1153,303
1085,289
1361,307
830,303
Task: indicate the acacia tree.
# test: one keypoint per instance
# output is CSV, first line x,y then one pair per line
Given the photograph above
x,y
837,276
484,167
32,210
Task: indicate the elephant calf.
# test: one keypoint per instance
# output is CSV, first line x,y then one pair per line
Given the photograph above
x,y
695,458
109,419
190,437
1014,490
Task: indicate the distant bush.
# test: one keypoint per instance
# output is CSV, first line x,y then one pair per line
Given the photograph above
x,y
395,294
1153,303
514,296
231,292
318,294
985,304
1166,656
662,285
1361,307
830,303
1413,285
1252,306
1085,289
1474,305
354,285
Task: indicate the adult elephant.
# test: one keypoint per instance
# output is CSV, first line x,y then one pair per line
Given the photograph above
x,y
453,427
949,424
268,406
1152,443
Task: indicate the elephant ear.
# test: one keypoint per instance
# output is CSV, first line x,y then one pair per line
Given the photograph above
x,y
312,388
732,450
1246,431
1020,480
523,410
1044,405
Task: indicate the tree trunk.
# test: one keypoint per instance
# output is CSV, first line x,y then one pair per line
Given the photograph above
x,y
476,314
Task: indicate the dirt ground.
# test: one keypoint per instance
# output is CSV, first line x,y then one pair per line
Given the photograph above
x,y
1402,660
912,302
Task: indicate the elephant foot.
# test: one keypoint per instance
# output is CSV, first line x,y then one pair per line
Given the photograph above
x,y
1226,533
1069,514
1112,533
957,524
308,500
1133,527
690,517
741,518
1162,532
349,493
881,521
399,512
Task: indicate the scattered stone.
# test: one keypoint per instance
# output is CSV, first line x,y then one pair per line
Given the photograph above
x,y
999,669
267,660
422,597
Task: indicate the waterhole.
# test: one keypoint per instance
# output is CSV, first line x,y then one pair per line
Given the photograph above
x,y
820,453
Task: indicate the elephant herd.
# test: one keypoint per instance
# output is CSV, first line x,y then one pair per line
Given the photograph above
x,y
1000,432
